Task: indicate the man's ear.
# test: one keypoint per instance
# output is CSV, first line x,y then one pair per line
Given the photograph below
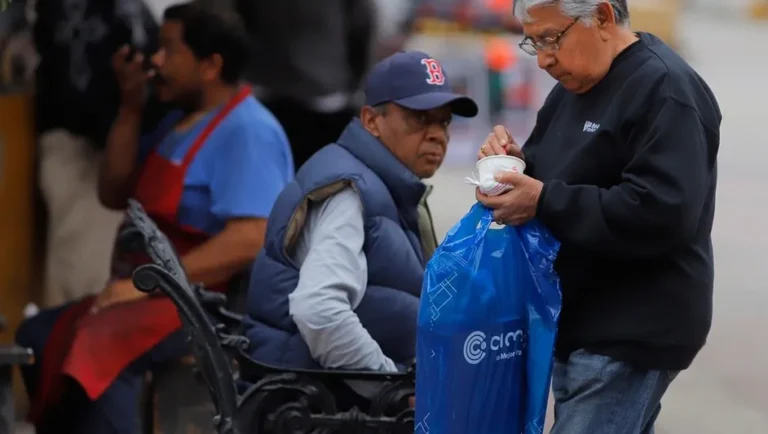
x,y
368,117
212,66
605,15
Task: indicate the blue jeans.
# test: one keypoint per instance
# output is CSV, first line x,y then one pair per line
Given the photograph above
x,y
116,410
598,395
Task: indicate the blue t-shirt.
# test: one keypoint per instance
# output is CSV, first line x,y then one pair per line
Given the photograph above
x,y
240,170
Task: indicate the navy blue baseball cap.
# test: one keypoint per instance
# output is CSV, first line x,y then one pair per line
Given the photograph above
x,y
414,80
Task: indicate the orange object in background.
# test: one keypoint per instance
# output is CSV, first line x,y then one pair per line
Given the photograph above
x,y
522,94
660,17
501,6
759,10
19,224
17,219
500,54
464,12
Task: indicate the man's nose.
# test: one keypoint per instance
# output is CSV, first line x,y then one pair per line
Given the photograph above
x,y
438,133
544,59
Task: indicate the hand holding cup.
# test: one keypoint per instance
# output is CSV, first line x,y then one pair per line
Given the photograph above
x,y
500,142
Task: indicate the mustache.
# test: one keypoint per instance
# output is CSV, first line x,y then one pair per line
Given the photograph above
x,y
153,70
157,78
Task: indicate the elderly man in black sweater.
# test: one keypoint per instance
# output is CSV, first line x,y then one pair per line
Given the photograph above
x,y
621,167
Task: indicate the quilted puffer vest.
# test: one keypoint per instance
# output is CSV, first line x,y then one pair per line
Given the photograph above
x,y
391,197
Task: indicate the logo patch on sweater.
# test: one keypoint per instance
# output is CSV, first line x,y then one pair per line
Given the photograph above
x,y
590,127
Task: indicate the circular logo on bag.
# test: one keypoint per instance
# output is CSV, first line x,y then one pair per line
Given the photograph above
x,y
474,348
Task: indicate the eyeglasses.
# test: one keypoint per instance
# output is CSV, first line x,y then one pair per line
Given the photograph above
x,y
548,44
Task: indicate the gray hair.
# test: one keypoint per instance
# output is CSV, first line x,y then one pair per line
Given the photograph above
x,y
574,9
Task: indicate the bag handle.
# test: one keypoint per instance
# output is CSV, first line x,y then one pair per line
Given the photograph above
x,y
473,226
480,218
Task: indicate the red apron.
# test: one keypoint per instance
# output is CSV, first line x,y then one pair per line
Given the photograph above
x,y
94,348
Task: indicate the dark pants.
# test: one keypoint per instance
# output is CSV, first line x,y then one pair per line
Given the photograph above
x,y
598,395
308,130
116,410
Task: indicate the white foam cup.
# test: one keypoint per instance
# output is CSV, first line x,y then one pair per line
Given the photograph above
x,y
487,169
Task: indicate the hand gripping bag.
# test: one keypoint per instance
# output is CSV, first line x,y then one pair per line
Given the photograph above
x,y
486,329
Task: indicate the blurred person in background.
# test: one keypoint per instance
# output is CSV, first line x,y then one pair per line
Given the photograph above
x,y
622,168
394,23
76,99
208,176
309,59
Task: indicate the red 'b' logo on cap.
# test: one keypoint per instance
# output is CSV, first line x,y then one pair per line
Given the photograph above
x,y
434,72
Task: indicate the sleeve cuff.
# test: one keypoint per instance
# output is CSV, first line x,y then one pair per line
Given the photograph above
x,y
542,205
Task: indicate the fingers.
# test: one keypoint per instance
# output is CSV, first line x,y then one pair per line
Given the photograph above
x,y
103,300
500,142
120,55
514,150
494,202
508,142
491,146
135,67
121,62
502,135
498,216
510,178
495,143
128,69
98,304
482,198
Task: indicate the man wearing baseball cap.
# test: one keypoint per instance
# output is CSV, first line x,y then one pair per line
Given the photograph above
x,y
337,284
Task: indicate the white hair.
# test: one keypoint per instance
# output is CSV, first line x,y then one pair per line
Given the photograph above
x,y
574,9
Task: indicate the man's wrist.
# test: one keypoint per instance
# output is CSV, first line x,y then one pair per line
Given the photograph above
x,y
131,110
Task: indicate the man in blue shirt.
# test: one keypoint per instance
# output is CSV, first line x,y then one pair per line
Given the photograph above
x,y
208,177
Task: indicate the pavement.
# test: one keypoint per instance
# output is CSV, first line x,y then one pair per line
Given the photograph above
x,y
726,389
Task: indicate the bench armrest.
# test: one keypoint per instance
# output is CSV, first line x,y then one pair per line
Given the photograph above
x,y
16,355
251,369
215,303
167,275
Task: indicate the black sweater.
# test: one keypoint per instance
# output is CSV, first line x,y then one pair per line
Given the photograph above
x,y
629,172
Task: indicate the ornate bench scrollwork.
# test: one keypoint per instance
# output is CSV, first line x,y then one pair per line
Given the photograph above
x,y
168,275
301,401
277,400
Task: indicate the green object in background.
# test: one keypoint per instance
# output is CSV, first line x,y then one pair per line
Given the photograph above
x,y
4,4
495,92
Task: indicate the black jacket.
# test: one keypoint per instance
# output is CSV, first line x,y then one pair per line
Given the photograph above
x,y
629,172
76,88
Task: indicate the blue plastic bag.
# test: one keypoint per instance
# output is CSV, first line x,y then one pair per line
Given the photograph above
x,y
487,325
